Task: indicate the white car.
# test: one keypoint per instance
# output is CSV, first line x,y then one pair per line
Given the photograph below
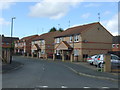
x,y
99,60
91,59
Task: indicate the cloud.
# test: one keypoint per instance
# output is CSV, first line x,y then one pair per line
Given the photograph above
x,y
4,22
112,24
86,15
52,10
6,5
92,5
106,13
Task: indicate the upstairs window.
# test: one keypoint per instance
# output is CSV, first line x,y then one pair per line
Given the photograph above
x,y
24,44
33,43
76,38
113,45
42,42
57,40
117,45
61,39
71,38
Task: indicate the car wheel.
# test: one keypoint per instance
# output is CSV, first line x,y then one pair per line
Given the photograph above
x,y
100,65
95,65
91,63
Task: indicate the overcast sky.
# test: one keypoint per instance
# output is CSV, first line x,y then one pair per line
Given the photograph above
x,y
38,17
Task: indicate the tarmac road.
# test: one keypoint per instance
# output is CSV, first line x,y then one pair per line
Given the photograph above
x,y
38,73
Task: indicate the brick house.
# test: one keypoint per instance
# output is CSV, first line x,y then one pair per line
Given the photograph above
x,y
116,45
23,46
43,45
6,46
76,43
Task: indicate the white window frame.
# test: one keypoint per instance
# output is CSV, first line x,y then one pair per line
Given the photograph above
x,y
42,51
57,40
117,45
33,42
76,38
76,52
71,38
113,45
42,42
24,43
57,52
61,39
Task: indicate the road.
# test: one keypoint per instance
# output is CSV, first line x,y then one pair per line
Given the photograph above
x,y
37,73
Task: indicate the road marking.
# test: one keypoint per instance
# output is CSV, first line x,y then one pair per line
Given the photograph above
x,y
42,87
105,87
63,86
86,87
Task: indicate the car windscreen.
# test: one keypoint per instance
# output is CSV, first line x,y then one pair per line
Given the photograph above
x,y
115,58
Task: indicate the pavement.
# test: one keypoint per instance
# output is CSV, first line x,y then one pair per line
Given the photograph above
x,y
10,67
84,69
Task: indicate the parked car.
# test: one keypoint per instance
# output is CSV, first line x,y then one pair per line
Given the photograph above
x,y
90,59
99,60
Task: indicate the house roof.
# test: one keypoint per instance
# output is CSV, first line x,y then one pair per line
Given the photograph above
x,y
76,30
28,38
8,39
116,39
46,36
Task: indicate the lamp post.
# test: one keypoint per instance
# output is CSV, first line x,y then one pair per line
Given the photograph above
x,y
11,38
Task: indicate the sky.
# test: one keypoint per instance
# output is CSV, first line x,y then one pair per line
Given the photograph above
x,y
39,17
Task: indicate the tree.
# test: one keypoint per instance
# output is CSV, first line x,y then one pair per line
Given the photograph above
x,y
53,29
60,29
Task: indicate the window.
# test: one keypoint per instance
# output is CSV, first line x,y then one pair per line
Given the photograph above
x,y
71,38
38,43
57,52
42,51
117,45
42,42
76,52
16,45
113,45
58,40
33,43
61,39
76,38
7,43
24,50
24,44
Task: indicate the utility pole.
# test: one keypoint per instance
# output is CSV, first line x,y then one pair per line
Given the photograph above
x,y
11,38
